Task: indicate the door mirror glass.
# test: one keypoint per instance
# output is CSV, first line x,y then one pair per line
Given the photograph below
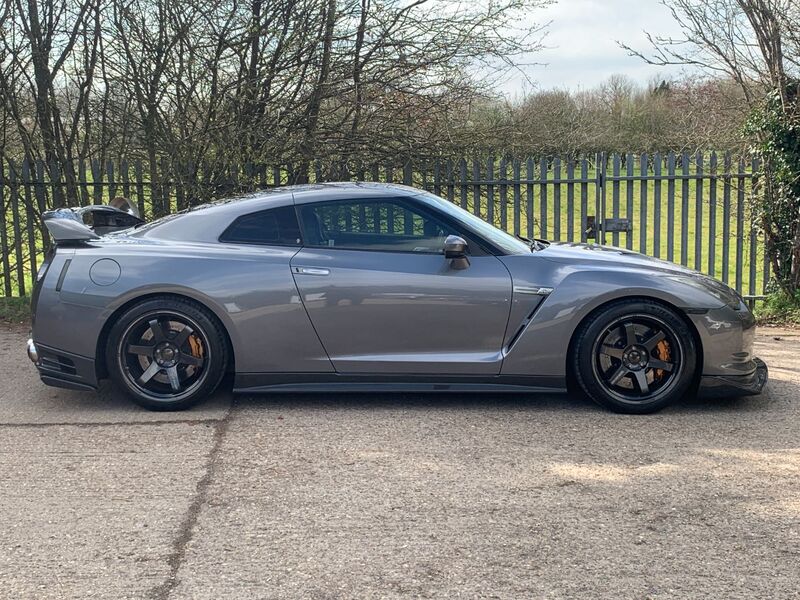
x,y
455,247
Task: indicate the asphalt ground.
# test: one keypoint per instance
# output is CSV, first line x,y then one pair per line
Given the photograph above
x,y
390,496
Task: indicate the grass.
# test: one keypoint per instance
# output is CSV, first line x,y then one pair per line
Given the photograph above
x,y
779,309
15,310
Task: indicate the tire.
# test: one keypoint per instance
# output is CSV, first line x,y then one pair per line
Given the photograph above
x,y
160,363
634,357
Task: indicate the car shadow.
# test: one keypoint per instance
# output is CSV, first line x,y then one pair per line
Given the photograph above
x,y
571,402
110,404
415,401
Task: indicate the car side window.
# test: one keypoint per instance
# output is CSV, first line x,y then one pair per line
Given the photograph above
x,y
386,225
276,226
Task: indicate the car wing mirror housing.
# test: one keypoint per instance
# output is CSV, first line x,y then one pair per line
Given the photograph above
x,y
455,250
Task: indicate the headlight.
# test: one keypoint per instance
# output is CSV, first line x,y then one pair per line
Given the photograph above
x,y
722,292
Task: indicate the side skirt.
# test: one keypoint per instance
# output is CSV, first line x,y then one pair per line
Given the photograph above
x,y
256,383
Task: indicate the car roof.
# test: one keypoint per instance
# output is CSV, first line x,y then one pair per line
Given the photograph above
x,y
303,194
317,192
206,222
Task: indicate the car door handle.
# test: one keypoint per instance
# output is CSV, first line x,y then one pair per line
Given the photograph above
x,y
318,271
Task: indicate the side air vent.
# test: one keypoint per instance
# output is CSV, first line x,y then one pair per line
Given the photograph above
x,y
55,362
523,325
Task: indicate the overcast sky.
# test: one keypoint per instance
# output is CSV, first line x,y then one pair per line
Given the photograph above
x,y
581,40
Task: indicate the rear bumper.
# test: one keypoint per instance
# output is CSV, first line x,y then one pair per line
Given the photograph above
x,y
63,369
716,386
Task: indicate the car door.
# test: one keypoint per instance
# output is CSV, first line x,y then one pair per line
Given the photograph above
x,y
384,299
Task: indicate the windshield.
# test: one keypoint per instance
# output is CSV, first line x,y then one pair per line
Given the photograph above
x,y
506,242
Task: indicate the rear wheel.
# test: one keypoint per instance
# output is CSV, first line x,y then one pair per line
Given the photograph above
x,y
166,353
635,356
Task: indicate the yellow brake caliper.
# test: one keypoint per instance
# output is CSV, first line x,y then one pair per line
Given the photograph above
x,y
196,345
664,353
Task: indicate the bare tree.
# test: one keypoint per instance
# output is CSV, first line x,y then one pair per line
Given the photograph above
x,y
49,56
213,83
757,43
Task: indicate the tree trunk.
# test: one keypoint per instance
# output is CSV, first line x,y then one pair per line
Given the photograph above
x,y
309,143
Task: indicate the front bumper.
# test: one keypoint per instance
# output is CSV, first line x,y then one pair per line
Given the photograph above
x,y
718,386
62,369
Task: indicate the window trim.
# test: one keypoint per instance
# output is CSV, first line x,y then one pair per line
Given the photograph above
x,y
223,239
474,242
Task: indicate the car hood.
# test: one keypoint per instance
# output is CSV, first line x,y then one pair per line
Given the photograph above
x,y
570,253
608,257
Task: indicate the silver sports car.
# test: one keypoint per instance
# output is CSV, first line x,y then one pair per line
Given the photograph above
x,y
371,287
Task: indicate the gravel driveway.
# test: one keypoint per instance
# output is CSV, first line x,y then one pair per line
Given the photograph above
x,y
398,496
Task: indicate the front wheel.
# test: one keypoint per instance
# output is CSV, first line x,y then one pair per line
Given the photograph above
x,y
635,356
166,353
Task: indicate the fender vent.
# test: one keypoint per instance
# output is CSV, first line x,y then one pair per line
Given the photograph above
x,y
523,325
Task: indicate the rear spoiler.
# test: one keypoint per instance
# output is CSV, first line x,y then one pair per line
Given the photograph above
x,y
90,222
64,226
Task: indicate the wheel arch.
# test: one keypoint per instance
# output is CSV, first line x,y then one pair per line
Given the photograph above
x,y
681,312
100,351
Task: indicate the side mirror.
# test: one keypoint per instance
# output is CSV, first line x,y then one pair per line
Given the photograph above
x,y
455,247
455,250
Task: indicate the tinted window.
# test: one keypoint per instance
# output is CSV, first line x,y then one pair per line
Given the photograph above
x,y
388,225
506,242
277,226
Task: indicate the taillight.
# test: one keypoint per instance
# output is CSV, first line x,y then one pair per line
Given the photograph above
x,y
40,275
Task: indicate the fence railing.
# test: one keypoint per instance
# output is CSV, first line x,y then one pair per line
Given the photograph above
x,y
690,209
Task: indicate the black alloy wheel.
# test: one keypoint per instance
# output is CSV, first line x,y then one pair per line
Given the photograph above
x,y
635,357
167,354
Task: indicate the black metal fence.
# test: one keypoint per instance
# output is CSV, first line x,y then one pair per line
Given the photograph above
x,y
691,209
